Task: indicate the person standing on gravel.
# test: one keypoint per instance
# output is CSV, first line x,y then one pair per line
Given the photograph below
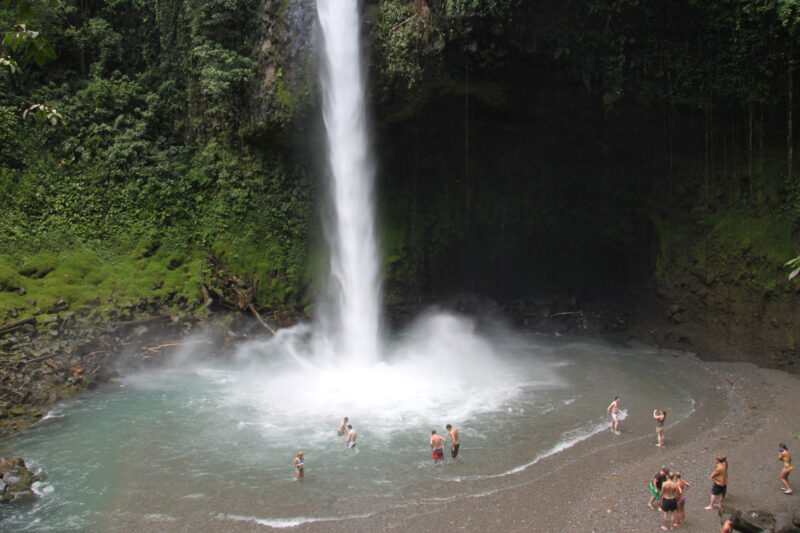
x,y
786,457
720,478
655,486
670,493
681,514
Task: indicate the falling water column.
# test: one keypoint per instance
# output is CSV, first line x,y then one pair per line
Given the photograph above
x,y
354,283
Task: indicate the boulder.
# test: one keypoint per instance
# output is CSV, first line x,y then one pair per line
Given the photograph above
x,y
16,480
749,521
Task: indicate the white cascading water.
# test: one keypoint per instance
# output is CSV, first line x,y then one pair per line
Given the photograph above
x,y
354,318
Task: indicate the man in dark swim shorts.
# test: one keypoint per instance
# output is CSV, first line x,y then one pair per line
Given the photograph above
x,y
453,432
670,492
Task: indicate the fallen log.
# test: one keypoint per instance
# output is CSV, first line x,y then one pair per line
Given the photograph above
x,y
564,313
14,326
260,320
172,344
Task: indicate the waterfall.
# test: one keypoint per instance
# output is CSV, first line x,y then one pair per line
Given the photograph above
x,y
353,318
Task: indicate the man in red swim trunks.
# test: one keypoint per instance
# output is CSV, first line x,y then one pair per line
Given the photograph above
x,y
437,443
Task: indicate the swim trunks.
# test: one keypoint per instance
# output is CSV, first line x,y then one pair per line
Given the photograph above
x,y
719,489
352,445
454,451
438,455
669,504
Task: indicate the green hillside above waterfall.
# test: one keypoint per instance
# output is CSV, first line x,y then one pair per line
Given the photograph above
x,y
525,150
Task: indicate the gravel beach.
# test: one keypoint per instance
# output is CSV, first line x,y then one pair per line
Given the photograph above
x,y
601,484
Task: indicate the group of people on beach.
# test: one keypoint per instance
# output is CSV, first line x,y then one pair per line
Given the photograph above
x,y
667,488
437,443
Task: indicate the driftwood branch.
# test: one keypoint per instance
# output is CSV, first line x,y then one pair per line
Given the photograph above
x,y
564,313
260,320
171,344
14,326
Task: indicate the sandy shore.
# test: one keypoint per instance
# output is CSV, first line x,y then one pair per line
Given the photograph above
x,y
601,485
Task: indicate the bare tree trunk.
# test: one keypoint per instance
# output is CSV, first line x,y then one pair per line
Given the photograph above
x,y
750,148
707,177
789,138
761,143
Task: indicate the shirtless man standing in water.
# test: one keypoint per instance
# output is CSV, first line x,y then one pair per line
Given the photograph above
x,y
453,432
342,426
351,437
670,493
437,443
613,412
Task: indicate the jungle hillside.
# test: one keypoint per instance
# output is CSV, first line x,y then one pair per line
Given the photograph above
x,y
571,154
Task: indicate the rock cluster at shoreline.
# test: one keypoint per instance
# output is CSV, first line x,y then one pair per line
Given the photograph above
x,y
60,355
16,479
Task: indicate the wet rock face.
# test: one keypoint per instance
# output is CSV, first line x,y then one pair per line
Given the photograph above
x,y
16,480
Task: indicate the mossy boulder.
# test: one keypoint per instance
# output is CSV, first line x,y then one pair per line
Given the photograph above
x,y
16,479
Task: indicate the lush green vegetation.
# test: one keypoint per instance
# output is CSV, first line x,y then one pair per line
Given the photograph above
x,y
158,145
570,141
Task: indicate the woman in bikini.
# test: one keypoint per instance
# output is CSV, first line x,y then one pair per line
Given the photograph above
x,y
681,513
659,417
786,457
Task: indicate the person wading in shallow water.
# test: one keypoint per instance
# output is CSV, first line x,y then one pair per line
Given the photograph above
x,y
720,478
613,412
342,426
299,466
786,457
437,443
660,416
351,437
453,432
